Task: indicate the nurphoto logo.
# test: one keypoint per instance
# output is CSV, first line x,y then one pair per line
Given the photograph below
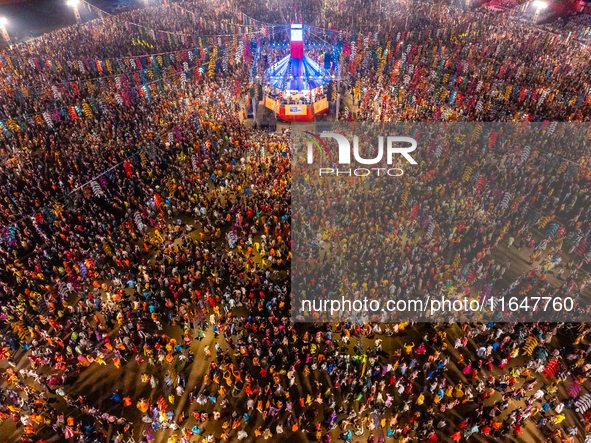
x,y
394,145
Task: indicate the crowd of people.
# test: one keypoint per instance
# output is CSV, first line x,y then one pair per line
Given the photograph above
x,y
147,231
578,25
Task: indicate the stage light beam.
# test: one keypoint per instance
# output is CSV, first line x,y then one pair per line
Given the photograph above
x,y
74,4
3,24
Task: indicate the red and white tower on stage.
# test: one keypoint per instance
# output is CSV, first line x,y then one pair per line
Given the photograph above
x,y
296,42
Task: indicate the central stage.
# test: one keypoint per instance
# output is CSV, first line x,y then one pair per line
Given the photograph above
x,y
297,84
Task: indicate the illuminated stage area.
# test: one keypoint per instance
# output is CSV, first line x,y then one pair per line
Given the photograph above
x,y
297,85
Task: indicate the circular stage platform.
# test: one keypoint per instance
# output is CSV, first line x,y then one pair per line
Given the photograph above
x,y
297,86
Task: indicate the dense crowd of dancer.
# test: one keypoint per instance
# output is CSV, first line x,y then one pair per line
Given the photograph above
x,y
149,231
